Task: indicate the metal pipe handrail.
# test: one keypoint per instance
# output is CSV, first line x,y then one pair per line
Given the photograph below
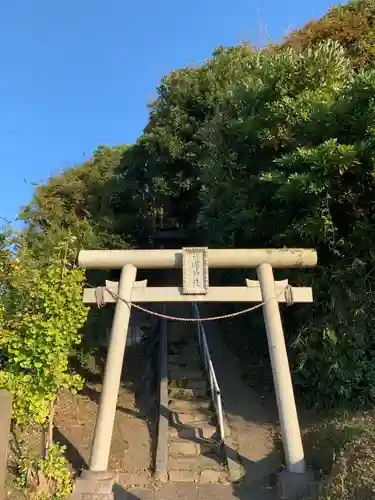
x,y
210,373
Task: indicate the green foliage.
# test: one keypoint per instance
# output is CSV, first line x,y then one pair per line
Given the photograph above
x,y
186,99
41,314
351,25
72,195
290,163
255,149
46,478
102,203
99,202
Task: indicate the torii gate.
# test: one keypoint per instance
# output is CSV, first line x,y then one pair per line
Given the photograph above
x,y
195,264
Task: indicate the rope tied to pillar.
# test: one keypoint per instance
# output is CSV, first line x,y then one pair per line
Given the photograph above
x,y
99,296
287,292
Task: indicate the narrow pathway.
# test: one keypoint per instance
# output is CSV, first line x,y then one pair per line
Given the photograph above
x,y
195,452
197,492
251,422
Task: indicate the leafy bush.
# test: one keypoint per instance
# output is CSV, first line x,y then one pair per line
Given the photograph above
x,y
351,25
290,163
258,149
41,314
98,201
46,478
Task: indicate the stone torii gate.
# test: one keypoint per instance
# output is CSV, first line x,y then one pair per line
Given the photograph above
x,y
195,264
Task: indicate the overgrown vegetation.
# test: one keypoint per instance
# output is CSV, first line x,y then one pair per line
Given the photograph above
x,y
255,148
343,448
41,315
351,25
45,478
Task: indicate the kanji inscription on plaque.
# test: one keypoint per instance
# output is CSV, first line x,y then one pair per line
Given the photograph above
x,y
195,270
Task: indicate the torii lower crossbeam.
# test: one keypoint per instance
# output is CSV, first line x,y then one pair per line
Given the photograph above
x,y
214,294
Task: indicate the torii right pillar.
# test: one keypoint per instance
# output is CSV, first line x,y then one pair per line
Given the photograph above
x,y
296,479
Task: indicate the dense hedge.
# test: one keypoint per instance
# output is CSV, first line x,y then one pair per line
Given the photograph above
x,y
257,148
290,162
351,25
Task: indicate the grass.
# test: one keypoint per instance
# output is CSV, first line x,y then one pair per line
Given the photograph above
x,y
342,449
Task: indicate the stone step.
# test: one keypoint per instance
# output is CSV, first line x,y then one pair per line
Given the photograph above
x,y
202,477
134,478
207,432
181,373
190,405
193,419
183,447
178,360
191,356
209,476
195,463
180,333
183,476
189,349
196,385
178,393
178,341
180,446
178,350
177,344
186,367
185,344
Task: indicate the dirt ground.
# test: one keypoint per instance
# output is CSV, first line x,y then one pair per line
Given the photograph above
x,y
131,445
75,422
325,436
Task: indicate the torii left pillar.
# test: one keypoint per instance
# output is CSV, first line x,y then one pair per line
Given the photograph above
x,y
98,480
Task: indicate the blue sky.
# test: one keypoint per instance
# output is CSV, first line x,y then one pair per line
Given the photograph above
x,y
79,73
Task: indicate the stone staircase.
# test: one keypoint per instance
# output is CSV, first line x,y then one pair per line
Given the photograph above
x,y
194,451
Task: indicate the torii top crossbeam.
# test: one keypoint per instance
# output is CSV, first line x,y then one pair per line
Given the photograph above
x,y
217,258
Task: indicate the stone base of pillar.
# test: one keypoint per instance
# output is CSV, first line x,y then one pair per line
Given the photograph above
x,y
94,486
292,485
